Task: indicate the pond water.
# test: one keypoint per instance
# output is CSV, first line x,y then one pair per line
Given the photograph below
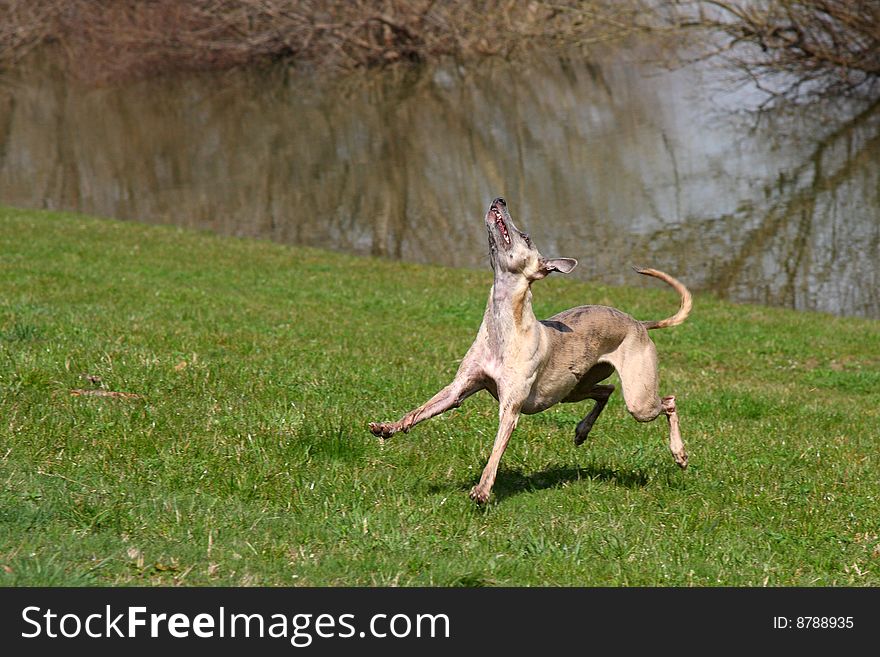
x,y
613,163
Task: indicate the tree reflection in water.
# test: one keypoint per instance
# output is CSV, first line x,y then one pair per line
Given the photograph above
x,y
613,163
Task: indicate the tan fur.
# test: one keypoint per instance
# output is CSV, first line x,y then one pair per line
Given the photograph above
x,y
529,366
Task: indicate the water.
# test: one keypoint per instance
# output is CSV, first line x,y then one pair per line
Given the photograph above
x,y
612,163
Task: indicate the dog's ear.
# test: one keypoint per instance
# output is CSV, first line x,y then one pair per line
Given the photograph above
x,y
562,265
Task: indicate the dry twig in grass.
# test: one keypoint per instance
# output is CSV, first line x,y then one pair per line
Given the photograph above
x,y
81,392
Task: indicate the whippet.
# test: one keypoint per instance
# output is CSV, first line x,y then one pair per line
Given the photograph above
x,y
529,366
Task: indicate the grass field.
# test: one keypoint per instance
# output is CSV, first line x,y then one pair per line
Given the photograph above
x,y
246,460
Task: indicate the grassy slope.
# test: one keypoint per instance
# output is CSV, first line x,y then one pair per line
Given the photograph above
x,y
248,460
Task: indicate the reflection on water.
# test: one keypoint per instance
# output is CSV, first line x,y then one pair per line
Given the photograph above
x,y
611,164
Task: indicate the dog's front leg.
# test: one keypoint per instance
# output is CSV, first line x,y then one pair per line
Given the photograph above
x,y
508,417
467,381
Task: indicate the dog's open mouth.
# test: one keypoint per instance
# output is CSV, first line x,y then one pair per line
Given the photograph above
x,y
499,221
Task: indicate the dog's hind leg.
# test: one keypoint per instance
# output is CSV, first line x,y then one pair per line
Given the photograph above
x,y
676,444
600,393
637,367
588,388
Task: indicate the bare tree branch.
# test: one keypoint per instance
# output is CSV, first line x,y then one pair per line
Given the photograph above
x,y
112,39
798,49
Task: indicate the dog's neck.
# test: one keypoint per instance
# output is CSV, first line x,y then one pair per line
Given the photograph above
x,y
509,312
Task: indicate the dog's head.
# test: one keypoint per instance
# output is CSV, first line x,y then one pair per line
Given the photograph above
x,y
511,250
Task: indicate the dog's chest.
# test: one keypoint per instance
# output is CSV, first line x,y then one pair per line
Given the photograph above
x,y
548,389
493,367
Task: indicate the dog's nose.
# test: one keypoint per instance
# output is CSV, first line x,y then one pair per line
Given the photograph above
x,y
499,201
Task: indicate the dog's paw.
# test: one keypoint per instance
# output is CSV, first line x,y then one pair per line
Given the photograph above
x,y
682,460
479,495
382,429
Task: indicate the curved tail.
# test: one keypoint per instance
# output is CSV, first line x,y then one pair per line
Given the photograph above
x,y
686,300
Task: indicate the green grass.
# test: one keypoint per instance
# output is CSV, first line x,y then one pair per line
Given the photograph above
x,y
247,460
